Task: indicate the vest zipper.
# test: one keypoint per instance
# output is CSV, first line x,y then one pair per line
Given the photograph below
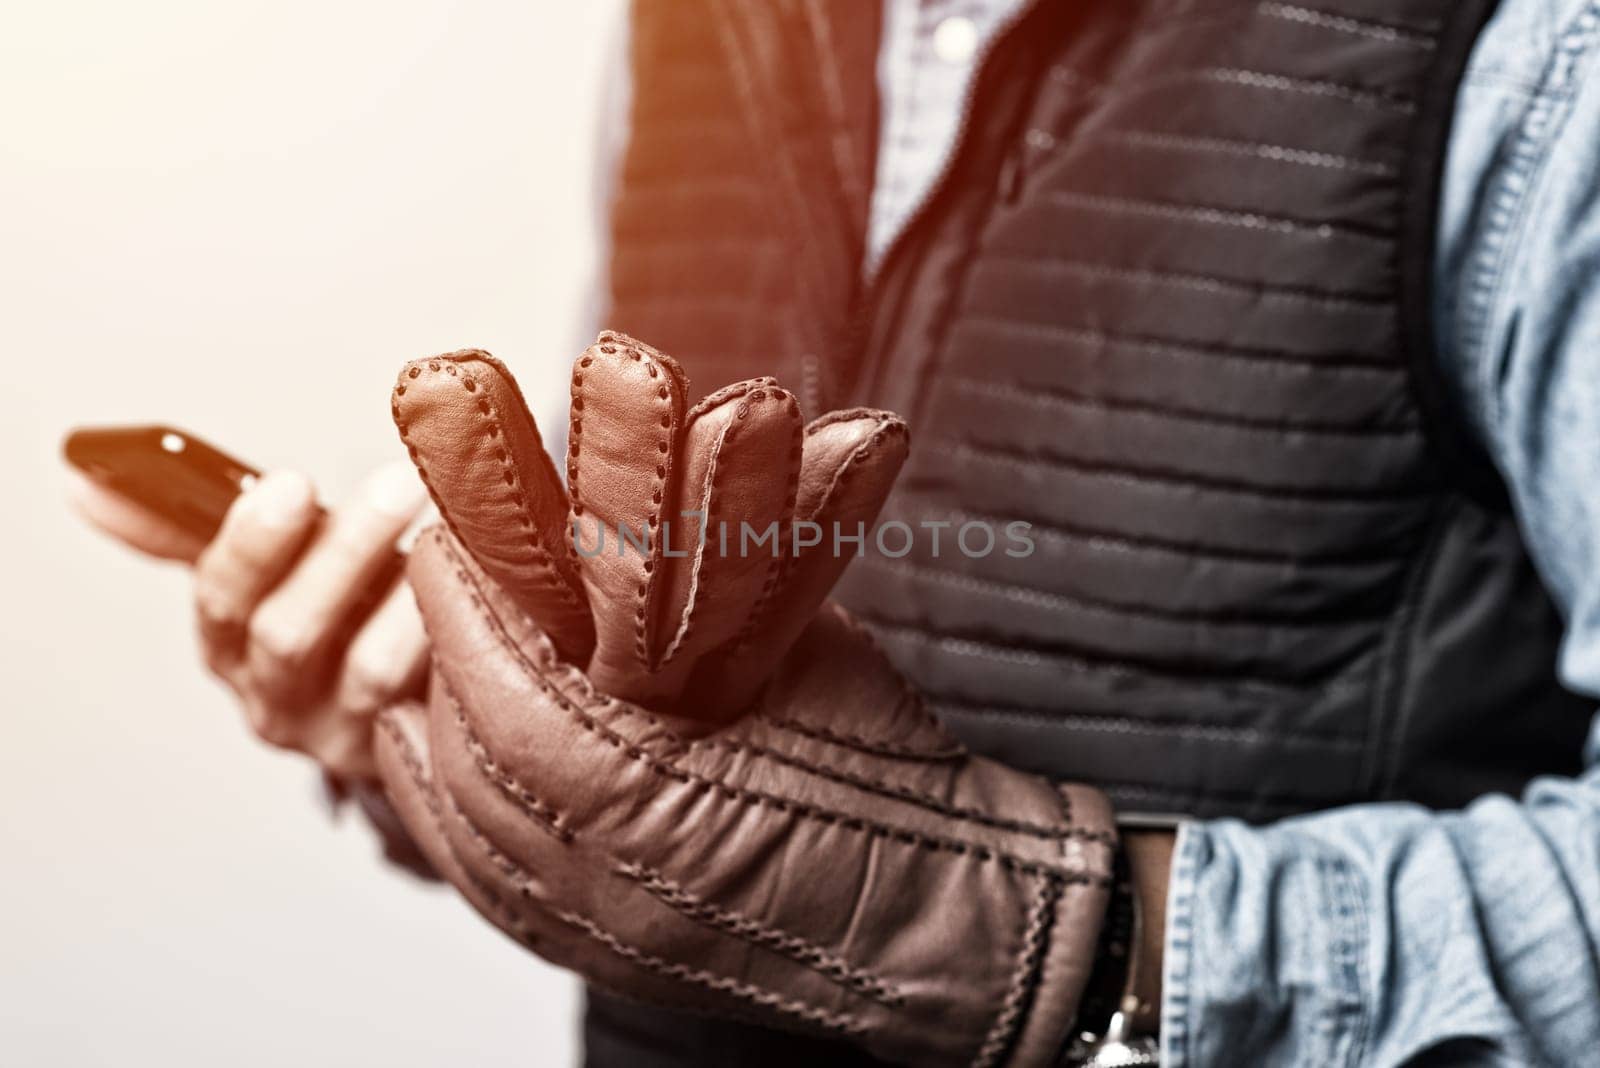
x,y
858,341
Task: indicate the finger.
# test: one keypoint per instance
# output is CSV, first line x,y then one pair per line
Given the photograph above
x,y
627,417
129,522
740,470
850,463
341,745
386,664
388,659
270,721
318,602
478,449
262,534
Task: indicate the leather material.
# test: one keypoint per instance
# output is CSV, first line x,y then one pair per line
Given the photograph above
x,y
494,484
1169,309
770,826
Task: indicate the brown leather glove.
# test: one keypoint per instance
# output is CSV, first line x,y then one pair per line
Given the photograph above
x,y
739,807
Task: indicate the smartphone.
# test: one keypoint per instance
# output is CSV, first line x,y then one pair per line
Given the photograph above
x,y
175,474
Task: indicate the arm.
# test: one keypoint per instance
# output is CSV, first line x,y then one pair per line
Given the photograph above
x,y
1389,934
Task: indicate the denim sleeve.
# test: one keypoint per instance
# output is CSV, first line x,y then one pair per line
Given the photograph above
x,y
1387,934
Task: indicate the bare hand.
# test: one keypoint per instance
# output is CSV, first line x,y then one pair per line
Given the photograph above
x,y
300,613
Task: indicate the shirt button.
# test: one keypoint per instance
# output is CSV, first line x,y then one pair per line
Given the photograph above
x,y
955,39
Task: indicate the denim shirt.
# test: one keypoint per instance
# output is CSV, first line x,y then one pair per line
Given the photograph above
x,y
1388,934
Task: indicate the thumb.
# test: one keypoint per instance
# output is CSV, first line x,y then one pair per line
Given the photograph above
x,y
476,445
850,462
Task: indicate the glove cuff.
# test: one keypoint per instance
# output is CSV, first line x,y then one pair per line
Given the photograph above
x,y
1061,947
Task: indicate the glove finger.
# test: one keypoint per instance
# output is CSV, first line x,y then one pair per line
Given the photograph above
x,y
740,472
850,463
400,746
478,449
549,894
565,892
429,815
494,819
502,668
546,745
628,412
517,780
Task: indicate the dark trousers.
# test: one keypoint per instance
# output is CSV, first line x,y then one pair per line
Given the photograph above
x,y
624,1034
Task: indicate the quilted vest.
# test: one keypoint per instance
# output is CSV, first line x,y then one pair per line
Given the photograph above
x,y
1169,305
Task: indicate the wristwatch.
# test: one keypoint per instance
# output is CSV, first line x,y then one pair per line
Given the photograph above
x,y
1104,1030
1118,1047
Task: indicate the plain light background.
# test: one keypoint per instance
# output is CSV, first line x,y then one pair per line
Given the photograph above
x,y
242,218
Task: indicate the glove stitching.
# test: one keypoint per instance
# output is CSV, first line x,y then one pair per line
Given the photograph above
x,y
702,564
519,878
697,595
759,934
1025,979
809,1014
493,430
608,343
845,415
783,575
422,783
780,567
845,471
726,393
505,916
587,689
1066,813
848,741
858,824
413,766
545,815
900,792
955,751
